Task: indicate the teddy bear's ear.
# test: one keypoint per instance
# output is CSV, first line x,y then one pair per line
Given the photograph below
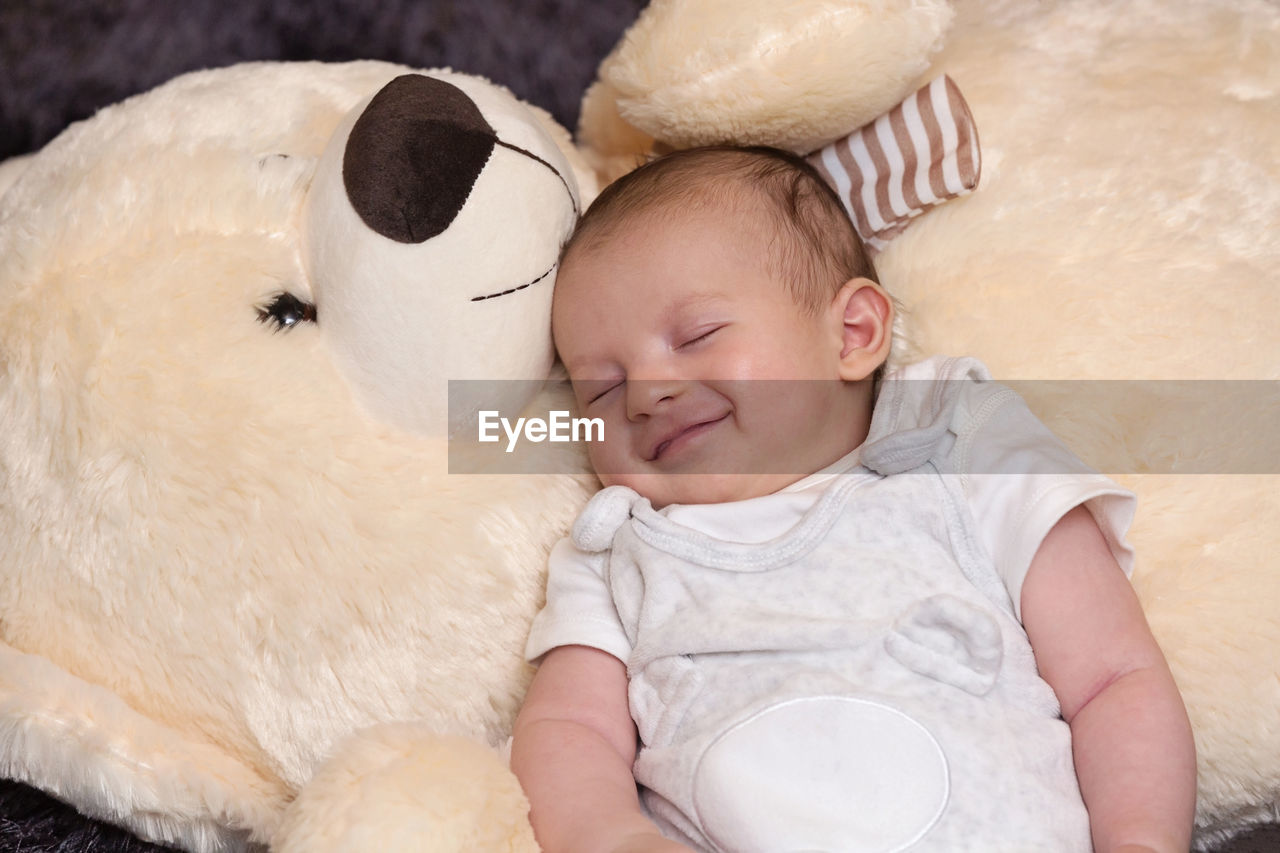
x,y
795,75
913,158
413,156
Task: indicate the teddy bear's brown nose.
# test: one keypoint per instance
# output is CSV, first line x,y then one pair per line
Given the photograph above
x,y
413,157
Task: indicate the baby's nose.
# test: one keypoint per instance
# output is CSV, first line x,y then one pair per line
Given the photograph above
x,y
649,396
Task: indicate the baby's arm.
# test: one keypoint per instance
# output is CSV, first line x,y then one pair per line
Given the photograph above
x,y
1132,742
573,749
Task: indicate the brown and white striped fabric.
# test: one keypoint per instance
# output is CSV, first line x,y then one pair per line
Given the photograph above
x,y
914,157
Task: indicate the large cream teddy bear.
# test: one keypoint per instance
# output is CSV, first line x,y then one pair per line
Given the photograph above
x,y
242,598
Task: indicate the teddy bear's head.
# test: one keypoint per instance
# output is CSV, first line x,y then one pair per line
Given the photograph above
x,y
228,311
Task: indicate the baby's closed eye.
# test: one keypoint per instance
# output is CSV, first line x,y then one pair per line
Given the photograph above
x,y
593,391
698,336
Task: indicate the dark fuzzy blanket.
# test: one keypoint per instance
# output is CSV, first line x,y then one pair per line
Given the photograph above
x,y
60,60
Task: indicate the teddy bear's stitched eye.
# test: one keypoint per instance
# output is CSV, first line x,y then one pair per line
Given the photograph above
x,y
285,311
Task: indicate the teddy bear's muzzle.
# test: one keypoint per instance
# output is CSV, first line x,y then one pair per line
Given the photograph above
x,y
433,199
414,156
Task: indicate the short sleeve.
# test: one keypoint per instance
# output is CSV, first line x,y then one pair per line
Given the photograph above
x,y
1021,479
579,609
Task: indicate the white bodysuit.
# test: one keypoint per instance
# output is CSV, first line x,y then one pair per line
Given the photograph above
x,y
842,668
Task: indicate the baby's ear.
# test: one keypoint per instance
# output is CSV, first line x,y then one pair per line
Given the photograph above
x,y
866,313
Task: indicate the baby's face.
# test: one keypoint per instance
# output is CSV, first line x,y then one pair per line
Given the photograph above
x,y
713,383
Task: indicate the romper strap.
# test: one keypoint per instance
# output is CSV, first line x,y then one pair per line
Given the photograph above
x,y
607,511
913,415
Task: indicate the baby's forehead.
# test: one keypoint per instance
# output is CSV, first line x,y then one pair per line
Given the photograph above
x,y
740,219
728,201
677,298
729,224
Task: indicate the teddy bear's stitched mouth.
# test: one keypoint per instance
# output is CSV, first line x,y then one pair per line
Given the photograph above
x,y
550,270
572,200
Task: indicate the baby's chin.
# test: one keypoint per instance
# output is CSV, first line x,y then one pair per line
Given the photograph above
x,y
667,489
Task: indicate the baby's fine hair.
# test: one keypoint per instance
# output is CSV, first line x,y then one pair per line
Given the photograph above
x,y
816,248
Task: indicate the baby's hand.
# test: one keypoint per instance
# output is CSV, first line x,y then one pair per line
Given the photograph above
x,y
649,842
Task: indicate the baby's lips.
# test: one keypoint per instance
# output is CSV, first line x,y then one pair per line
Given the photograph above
x,y
666,437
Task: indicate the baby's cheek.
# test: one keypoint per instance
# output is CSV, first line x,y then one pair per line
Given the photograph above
x,y
608,460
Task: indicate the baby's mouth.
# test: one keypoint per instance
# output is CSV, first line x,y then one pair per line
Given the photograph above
x,y
680,436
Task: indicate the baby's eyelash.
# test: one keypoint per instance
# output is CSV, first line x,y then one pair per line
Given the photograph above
x,y
701,337
602,393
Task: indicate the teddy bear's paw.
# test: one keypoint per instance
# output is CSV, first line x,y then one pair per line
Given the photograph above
x,y
402,787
